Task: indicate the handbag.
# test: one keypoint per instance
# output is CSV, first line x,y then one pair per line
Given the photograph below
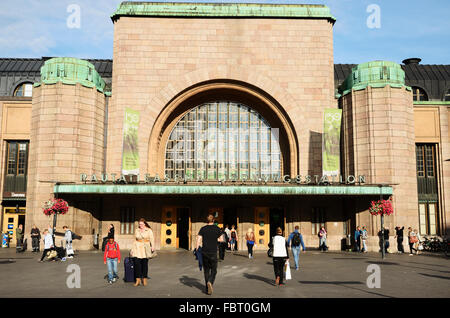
x,y
52,254
270,252
287,270
413,239
420,247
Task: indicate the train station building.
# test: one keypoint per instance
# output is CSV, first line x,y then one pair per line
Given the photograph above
x,y
235,109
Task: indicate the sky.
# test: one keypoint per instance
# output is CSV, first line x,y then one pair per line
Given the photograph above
x,y
365,30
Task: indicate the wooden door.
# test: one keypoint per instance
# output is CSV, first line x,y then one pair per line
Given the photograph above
x,y
262,227
169,227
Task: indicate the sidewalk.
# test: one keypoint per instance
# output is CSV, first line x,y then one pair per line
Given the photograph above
x,y
176,274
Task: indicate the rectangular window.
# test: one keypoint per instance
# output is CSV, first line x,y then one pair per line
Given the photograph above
x,y
127,220
318,220
17,158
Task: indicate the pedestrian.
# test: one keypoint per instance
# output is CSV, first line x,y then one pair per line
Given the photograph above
x,y
19,236
233,240
323,239
108,236
358,239
207,238
48,244
35,238
418,244
295,240
111,258
68,238
386,240
399,237
228,232
142,250
280,255
250,237
364,237
412,239
223,244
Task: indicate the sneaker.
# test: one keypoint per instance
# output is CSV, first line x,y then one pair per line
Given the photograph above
x,y
296,268
110,282
210,288
63,259
114,280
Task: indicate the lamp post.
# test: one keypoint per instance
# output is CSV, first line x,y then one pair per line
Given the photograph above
x,y
382,224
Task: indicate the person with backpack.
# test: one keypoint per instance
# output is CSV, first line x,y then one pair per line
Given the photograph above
x,y
295,240
323,239
111,258
233,239
364,237
250,237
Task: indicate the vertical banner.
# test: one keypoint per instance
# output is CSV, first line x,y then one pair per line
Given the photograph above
x,y
130,155
331,142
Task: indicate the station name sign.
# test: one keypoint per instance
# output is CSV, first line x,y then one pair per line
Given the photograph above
x,y
286,179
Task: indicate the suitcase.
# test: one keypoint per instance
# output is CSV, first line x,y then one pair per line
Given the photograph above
x,y
129,270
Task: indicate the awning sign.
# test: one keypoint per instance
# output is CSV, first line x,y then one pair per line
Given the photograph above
x,y
130,157
331,142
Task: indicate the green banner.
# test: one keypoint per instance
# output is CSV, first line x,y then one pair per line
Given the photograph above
x,y
130,156
331,141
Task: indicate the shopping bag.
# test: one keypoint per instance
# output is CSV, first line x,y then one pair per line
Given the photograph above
x,y
287,270
420,247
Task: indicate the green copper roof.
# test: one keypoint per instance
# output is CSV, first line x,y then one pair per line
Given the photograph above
x,y
220,190
374,74
70,70
231,10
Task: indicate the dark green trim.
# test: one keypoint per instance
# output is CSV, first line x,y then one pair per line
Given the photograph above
x,y
222,10
161,189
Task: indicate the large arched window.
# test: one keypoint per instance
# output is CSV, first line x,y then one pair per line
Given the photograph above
x,y
223,141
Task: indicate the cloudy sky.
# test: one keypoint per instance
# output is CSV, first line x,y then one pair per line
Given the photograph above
x,y
405,28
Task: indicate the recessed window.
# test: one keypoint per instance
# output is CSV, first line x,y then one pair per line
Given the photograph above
x,y
24,90
17,158
419,94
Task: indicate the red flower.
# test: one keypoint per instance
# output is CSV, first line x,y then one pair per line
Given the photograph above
x,y
55,206
381,207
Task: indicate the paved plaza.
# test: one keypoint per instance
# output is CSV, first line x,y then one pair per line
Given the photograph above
x,y
176,274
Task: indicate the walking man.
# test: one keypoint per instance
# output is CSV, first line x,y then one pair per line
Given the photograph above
x,y
364,237
358,239
208,236
399,236
295,239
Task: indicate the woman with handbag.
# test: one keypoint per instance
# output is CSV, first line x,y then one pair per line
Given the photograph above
x,y
412,239
143,249
280,255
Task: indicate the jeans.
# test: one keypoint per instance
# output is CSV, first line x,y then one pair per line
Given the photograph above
x,y
322,243
140,267
250,249
296,253
112,268
358,244
364,246
35,243
210,267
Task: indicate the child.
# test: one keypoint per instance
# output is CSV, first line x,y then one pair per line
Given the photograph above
x,y
68,237
111,258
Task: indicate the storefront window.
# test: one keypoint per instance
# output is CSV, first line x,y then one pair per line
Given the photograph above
x,y
223,141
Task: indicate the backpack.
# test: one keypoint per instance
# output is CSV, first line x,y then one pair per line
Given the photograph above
x,y
233,234
296,239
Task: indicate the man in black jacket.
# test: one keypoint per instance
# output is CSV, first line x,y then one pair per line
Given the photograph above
x,y
399,236
208,236
35,238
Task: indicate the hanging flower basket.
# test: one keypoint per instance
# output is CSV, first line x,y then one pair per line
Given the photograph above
x,y
381,207
55,206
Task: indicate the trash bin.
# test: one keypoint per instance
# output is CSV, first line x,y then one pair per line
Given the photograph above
x,y
5,240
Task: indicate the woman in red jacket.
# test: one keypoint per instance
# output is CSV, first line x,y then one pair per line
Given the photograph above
x,y
111,258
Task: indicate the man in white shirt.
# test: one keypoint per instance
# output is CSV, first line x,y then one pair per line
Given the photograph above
x,y
48,244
